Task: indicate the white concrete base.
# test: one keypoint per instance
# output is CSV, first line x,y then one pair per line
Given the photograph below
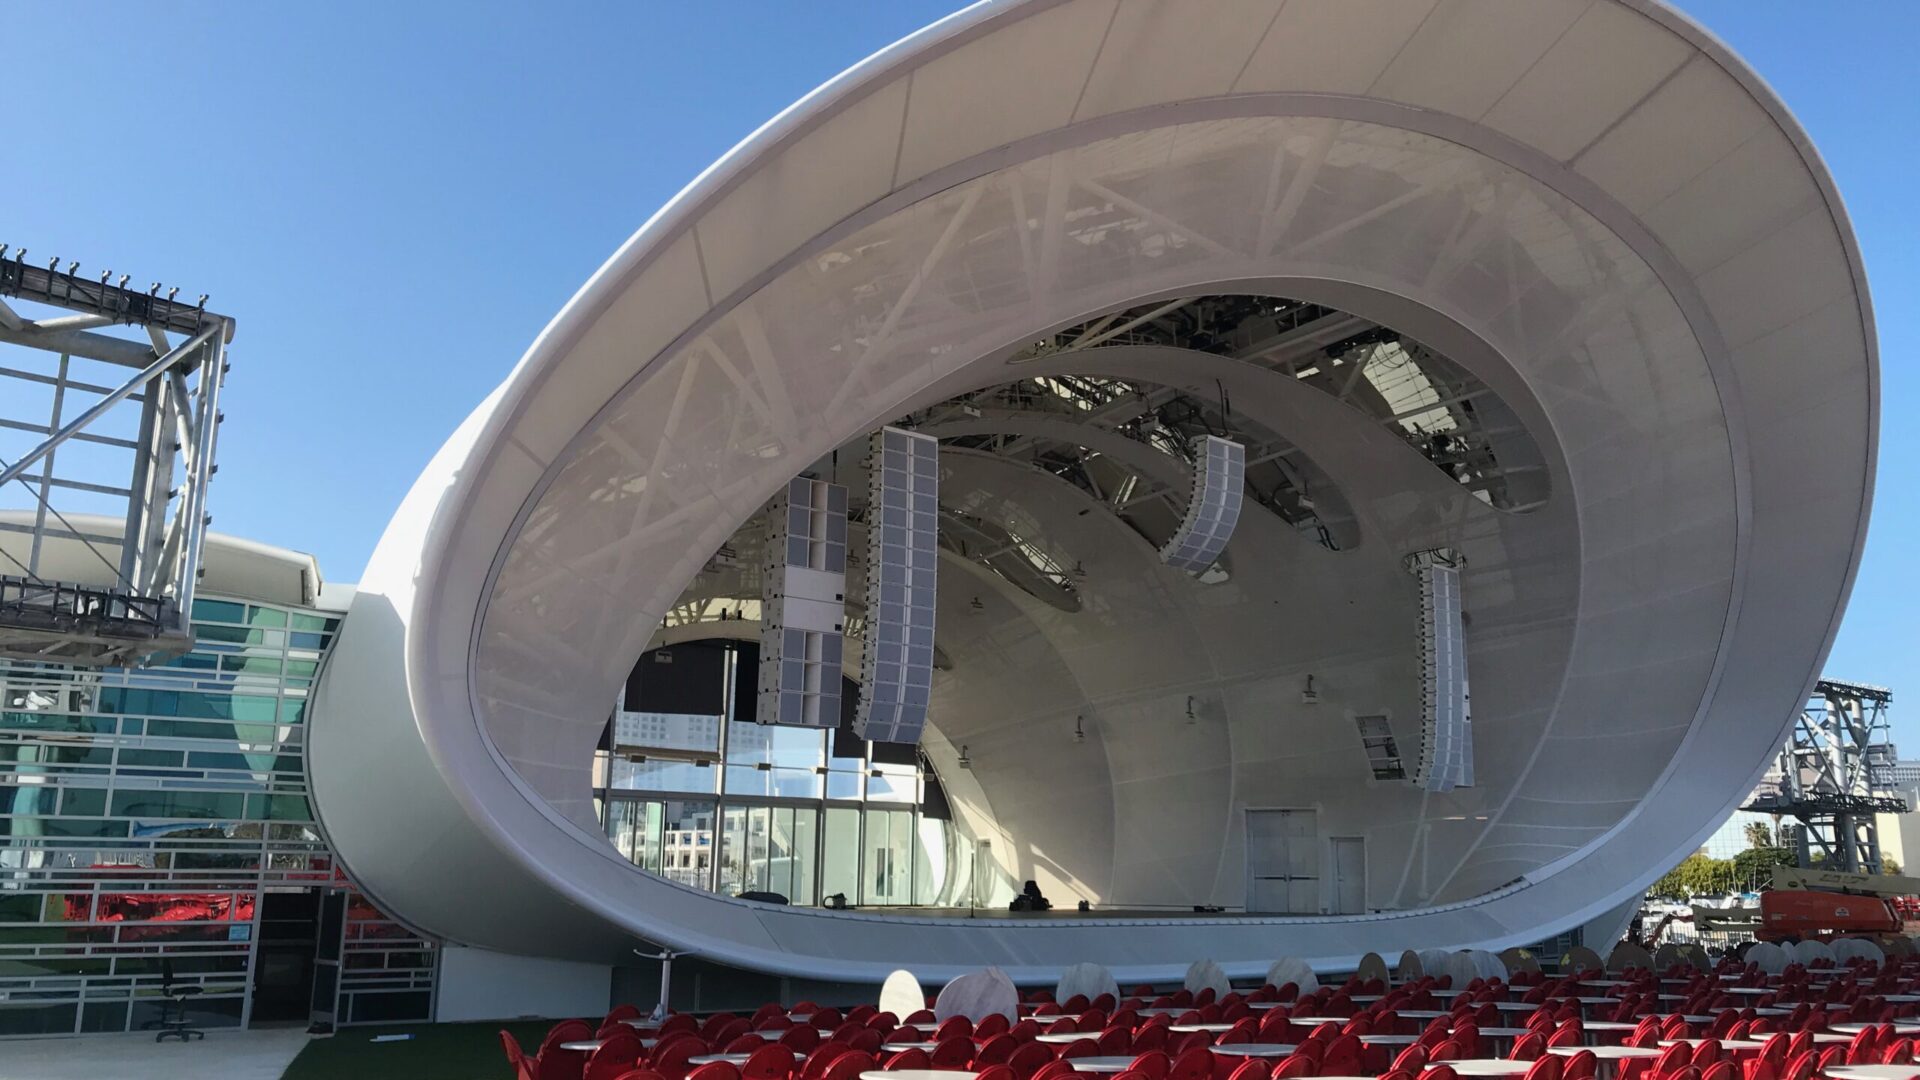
x,y
480,984
229,1055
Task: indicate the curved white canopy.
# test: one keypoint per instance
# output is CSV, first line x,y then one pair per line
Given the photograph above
x,y
1588,204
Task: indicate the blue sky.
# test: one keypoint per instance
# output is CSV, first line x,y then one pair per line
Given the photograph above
x,y
393,198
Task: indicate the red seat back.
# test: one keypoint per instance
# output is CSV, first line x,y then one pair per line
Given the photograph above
x,y
847,1066
953,1052
820,1057
911,1058
770,1062
1529,1047
1249,1069
1055,1070
1028,1059
715,1070
1296,1065
1720,1070
866,1040
1545,1068
557,1064
1149,1037
1080,1048
1195,1064
566,1031
1155,1063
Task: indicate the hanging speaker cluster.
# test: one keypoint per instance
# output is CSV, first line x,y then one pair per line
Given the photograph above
x,y
803,587
1219,475
903,528
1446,745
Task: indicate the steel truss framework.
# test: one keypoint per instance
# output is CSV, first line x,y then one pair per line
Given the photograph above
x,y
164,417
1831,776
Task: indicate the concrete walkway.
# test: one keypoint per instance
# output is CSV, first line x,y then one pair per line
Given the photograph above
x,y
226,1055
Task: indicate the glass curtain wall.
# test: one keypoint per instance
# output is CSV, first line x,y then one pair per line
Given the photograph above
x,y
738,808
143,815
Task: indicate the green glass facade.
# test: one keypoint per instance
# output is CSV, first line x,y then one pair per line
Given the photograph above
x,y
153,820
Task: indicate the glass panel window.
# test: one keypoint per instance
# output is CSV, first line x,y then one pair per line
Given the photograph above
x,y
887,858
733,851
625,775
893,784
840,868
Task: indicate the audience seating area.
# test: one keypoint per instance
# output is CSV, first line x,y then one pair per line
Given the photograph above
x,y
1850,1021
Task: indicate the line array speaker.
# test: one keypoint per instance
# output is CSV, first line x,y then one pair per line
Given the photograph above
x,y
803,592
1446,745
1219,475
903,529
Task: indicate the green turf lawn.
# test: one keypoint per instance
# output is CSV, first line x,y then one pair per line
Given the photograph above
x,y
436,1052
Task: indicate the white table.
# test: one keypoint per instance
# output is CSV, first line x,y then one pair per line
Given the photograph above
x,y
585,1046
708,1059
1422,1014
917,1074
1874,1072
1446,993
1488,1067
1313,1021
1855,1027
1389,1040
1751,991
897,1047
1262,1006
1092,1064
1254,1049
1060,1038
1605,982
1901,998
1215,1028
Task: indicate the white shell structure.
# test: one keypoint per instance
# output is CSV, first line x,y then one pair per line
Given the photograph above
x,y
1602,219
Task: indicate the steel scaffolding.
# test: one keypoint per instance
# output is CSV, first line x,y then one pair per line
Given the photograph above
x,y
100,565
1832,777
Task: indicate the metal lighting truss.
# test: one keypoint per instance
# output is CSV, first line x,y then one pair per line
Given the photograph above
x,y
165,415
1832,776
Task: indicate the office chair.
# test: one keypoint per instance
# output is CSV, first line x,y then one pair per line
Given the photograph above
x,y
173,1012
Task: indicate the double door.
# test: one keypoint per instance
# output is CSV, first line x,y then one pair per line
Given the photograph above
x,y
1283,862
